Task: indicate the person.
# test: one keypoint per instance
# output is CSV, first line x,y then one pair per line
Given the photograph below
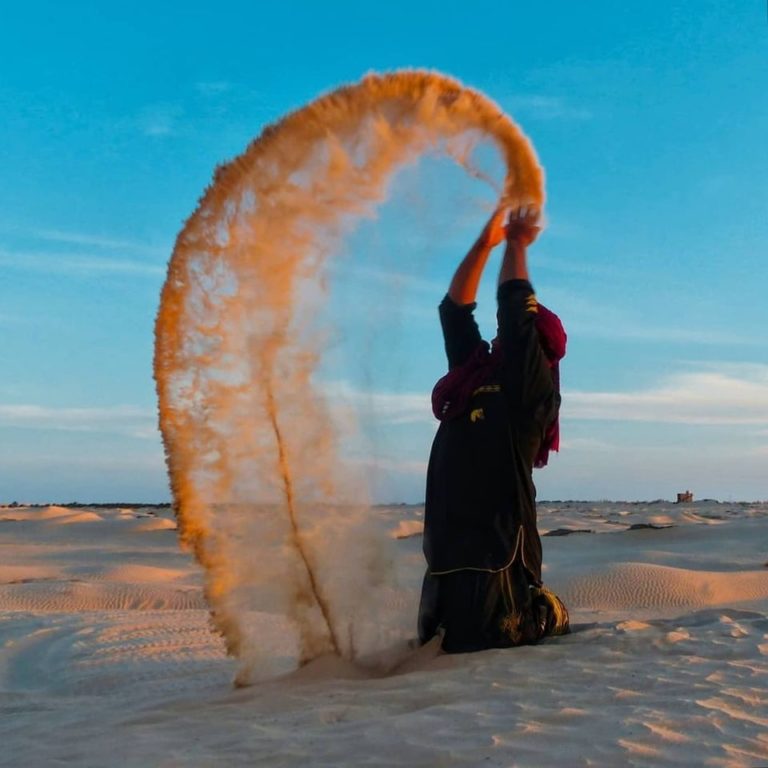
x,y
498,410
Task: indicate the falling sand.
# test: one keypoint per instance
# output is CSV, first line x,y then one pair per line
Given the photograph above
x,y
274,517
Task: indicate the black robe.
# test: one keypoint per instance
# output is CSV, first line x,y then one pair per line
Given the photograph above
x,y
480,512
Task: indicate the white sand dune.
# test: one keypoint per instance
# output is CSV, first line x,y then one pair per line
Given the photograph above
x,y
641,586
136,572
34,513
106,655
81,517
155,524
407,528
17,574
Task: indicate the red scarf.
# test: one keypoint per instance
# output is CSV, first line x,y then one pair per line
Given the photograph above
x,y
452,393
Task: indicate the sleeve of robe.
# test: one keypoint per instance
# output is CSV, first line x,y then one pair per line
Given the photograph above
x,y
460,332
526,376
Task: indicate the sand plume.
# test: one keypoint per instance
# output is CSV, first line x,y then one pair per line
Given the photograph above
x,y
251,449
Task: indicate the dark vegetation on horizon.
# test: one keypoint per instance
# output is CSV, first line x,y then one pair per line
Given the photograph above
x,y
96,505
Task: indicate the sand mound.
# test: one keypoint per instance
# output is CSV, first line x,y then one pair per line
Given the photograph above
x,y
49,512
629,586
143,574
407,528
34,513
10,574
79,517
155,524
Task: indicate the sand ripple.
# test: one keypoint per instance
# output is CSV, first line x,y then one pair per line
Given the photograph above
x,y
86,596
629,586
106,656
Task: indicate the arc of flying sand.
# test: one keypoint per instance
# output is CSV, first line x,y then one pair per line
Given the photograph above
x,y
265,220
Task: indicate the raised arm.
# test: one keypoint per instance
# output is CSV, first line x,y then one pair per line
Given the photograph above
x,y
460,331
522,229
526,374
463,288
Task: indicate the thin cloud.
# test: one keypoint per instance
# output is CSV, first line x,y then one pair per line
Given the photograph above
x,y
583,317
754,371
388,277
389,464
159,120
734,395
129,420
12,320
396,408
74,264
585,444
665,333
731,395
545,107
97,241
84,463
565,266
213,87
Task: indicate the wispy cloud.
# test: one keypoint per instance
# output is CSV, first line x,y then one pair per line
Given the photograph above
x,y
159,120
7,320
626,330
213,87
565,266
585,444
76,264
127,420
587,318
397,408
734,395
389,277
546,107
389,464
98,241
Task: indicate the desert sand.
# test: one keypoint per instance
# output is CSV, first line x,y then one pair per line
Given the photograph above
x,y
107,658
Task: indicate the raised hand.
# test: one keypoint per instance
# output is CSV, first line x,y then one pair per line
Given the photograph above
x,y
523,225
495,230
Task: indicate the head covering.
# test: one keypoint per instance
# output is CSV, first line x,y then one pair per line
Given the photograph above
x,y
452,393
553,341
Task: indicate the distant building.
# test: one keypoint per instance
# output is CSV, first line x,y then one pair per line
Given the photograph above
x,y
685,497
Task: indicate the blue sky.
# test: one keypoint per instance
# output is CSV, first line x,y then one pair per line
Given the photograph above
x,y
650,119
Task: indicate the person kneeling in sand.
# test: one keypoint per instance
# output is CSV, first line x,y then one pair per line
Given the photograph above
x,y
498,411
